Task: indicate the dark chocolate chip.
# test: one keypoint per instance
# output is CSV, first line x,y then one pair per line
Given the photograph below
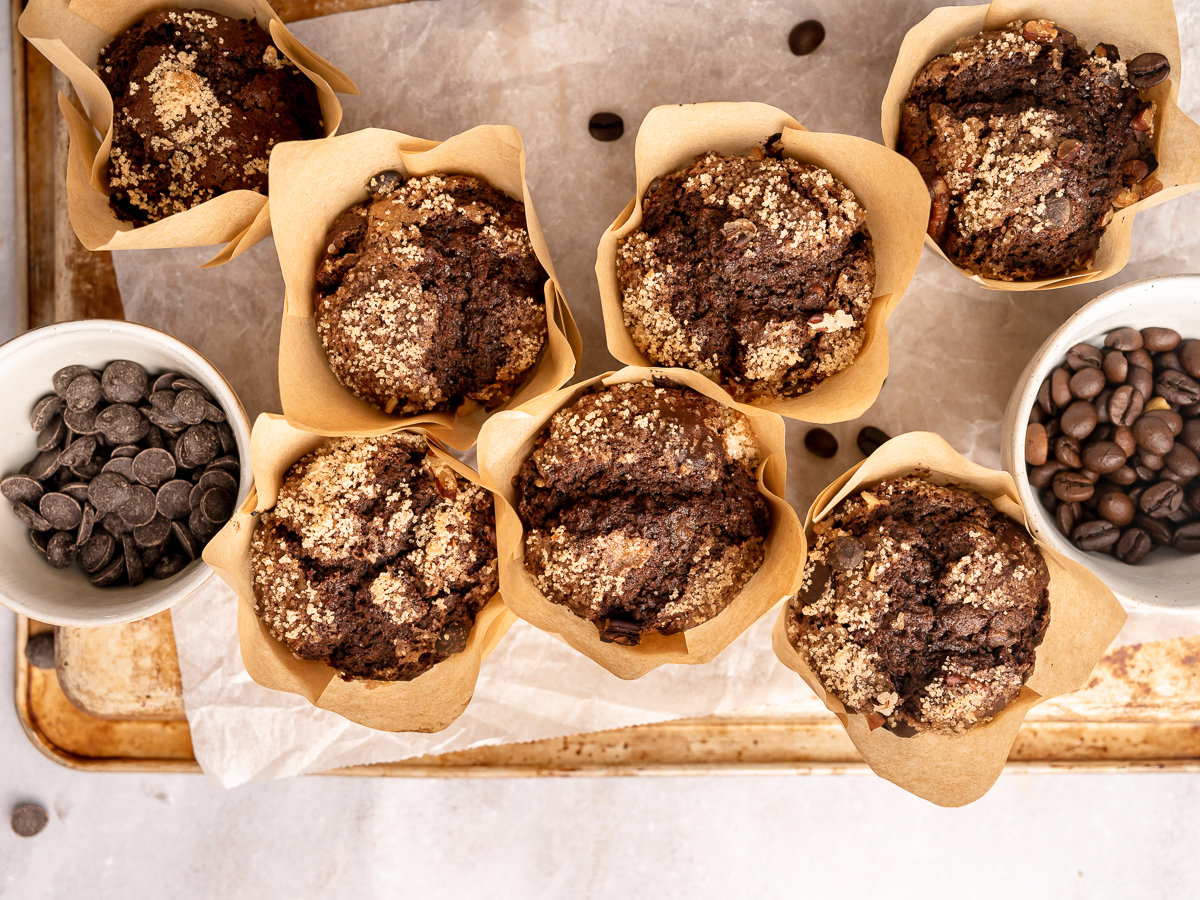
x,y
45,410
216,505
213,413
39,650
108,491
81,421
219,478
138,508
80,451
154,532
62,512
186,384
110,573
201,526
121,424
173,499
383,183
806,37
228,442
45,465
153,467
606,126
453,639
61,550
228,463
83,392
133,560
29,819
63,377
31,519
21,489
76,489
124,382
87,521
189,407
186,539
52,435
96,551
121,465
130,450
198,445
845,553
170,565
163,382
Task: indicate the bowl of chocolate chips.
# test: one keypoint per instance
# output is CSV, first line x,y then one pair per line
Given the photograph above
x,y
125,451
1102,436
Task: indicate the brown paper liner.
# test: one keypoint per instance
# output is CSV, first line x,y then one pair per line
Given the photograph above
x,y
314,182
430,702
1135,27
506,442
888,186
71,34
953,770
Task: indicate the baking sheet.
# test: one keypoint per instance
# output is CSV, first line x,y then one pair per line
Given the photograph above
x,y
435,69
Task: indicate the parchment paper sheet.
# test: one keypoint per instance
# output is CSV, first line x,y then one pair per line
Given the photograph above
x,y
437,69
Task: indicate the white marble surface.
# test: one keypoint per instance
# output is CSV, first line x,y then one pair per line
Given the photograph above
x,y
122,836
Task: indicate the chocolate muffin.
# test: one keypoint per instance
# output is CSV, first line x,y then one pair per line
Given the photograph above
x,y
756,271
430,296
642,509
1028,144
376,558
921,606
199,100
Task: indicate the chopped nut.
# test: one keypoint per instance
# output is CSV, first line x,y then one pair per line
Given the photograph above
x,y
1156,403
1040,31
1127,197
1108,217
1150,186
739,232
1144,120
1133,171
1069,148
939,208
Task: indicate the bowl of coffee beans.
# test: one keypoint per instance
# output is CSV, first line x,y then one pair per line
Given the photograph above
x,y
1102,436
125,452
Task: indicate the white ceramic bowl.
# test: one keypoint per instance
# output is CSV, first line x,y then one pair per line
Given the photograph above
x,y
65,596
1166,579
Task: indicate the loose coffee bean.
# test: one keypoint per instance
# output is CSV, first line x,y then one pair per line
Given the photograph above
x,y
1160,531
1140,359
1060,387
1073,487
1066,516
1124,438
29,819
1126,405
869,440
1102,403
1095,535
1041,476
1189,357
1173,419
1116,507
1086,384
1177,388
821,442
1133,546
1189,435
1147,70
1083,355
1116,367
1103,457
1152,435
1141,381
1036,445
1123,339
1079,419
124,382
1168,361
1066,451
1157,340
1187,538
1124,476
1161,500
1045,400
806,37
1180,460
1103,432
1151,461
606,126
21,489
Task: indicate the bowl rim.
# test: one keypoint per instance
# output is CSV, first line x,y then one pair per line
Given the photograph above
x,y
210,375
1051,352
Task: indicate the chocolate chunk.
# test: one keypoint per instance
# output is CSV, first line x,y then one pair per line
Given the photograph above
x,y
153,467
21,489
606,126
383,183
110,573
45,410
96,551
63,377
154,532
820,442
80,451
452,639
871,439
29,819
121,424
845,553
108,491
806,37
83,392
31,519
133,560
39,650
618,631
61,511
170,565
198,445
61,550
124,382
138,508
173,499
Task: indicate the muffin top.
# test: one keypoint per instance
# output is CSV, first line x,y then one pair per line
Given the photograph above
x,y
430,296
642,509
376,558
1027,144
755,271
199,100
921,606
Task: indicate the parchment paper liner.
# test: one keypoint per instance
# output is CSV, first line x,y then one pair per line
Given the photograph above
x,y
71,34
506,442
1135,27
1084,619
888,185
314,182
430,702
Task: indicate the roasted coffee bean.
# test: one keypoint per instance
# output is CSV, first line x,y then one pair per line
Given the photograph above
x,y
201,526
1060,387
96,552
1139,359
156,531
1141,381
1036,445
1102,457
1161,500
1036,415
1189,357
1115,506
39,650
107,492
1073,487
124,382
1086,384
79,452
61,550
1168,361
1079,419
1066,451
1133,546
184,537
1124,438
606,126
820,442
1123,476
111,573
1151,461
1152,435
45,410
806,37
1095,535
1187,538
1066,516
61,511
1045,400
123,466
1093,477
1126,405
1123,339
1177,388
1101,403
1160,531
1084,355
170,565
1147,70
152,467
1173,419
31,519
45,465
1182,461
83,392
378,185
21,489
1116,367
1041,476
198,445
1185,513
845,553
29,819
138,508
1053,428
869,440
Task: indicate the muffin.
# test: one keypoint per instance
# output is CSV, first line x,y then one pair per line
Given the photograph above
x,y
199,100
1028,145
376,558
642,510
430,297
757,271
921,606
